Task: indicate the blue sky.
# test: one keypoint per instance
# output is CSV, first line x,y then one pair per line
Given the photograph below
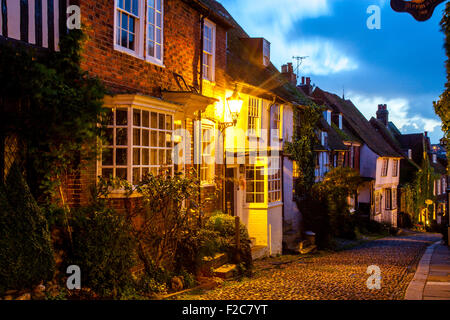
x,y
402,64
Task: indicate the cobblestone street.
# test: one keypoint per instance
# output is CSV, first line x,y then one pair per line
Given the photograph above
x,y
334,276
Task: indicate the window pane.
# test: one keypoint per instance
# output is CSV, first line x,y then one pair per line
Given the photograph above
x,y
169,157
151,32
136,7
121,117
124,19
169,122
158,52
151,49
259,198
250,198
145,172
162,157
121,157
154,139
124,39
145,157
158,19
121,173
136,137
161,122
158,5
136,156
107,157
128,5
121,137
145,119
162,139
154,157
158,35
145,138
109,116
154,120
260,187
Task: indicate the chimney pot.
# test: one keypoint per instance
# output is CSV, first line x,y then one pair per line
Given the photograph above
x,y
303,80
308,81
426,134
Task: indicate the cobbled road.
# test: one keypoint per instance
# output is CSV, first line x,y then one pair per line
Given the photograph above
x,y
331,276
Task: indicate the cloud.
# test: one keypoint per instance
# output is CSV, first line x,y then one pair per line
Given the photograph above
x,y
399,113
273,20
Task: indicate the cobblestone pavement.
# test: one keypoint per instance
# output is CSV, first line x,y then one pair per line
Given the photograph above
x,y
331,276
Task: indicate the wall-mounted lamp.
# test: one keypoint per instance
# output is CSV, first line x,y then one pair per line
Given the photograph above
x,y
234,103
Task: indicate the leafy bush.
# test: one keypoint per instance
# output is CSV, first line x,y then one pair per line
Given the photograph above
x,y
224,226
104,249
26,253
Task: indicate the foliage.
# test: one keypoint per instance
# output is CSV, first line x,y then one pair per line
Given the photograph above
x,y
26,253
301,149
167,212
224,226
337,185
442,107
52,105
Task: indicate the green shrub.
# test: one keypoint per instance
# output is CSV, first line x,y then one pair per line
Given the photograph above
x,y
224,226
104,249
26,253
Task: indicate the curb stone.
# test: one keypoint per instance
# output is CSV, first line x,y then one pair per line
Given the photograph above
x,y
417,285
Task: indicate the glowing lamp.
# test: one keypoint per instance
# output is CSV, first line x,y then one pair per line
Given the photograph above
x,y
235,103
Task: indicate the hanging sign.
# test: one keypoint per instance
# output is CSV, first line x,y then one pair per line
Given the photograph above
x,y
421,10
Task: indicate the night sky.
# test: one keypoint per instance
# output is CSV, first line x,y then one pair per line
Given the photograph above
x,y
401,65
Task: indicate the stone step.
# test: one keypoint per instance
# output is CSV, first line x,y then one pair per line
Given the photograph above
x,y
226,271
260,252
210,263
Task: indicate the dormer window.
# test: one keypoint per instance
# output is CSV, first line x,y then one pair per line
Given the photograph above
x,y
266,52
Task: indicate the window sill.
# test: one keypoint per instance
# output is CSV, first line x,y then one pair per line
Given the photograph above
x,y
207,185
128,52
155,62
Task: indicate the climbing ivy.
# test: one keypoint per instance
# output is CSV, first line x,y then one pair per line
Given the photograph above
x,y
301,149
53,106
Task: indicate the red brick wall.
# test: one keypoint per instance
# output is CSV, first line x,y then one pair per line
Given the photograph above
x,y
123,73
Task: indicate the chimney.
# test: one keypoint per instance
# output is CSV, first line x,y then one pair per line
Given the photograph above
x,y
303,81
426,134
287,71
308,81
383,114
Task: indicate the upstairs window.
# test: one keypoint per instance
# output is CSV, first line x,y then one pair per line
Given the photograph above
x,y
384,168
395,169
155,30
127,24
209,36
276,120
254,116
274,180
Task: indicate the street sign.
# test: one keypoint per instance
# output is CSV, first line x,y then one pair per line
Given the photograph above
x,y
421,10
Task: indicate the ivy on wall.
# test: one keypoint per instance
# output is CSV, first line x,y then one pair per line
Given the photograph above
x,y
52,105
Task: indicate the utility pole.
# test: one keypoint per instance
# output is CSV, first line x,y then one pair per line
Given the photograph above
x,y
299,63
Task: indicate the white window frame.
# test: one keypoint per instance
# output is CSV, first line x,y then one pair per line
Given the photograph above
x,y
130,127
212,26
149,58
139,28
395,167
252,181
385,168
208,157
274,181
254,118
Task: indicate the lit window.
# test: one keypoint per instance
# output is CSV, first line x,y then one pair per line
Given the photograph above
x,y
155,30
127,24
207,168
274,180
209,37
137,144
254,116
395,169
384,168
255,184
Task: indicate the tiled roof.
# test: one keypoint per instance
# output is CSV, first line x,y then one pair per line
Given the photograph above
x,y
241,69
334,140
358,124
